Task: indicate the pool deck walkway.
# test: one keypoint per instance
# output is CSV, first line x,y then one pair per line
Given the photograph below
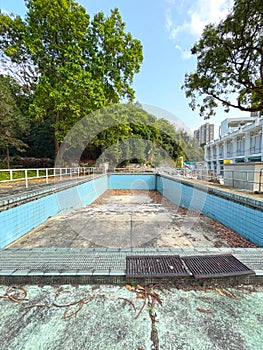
x,y
108,265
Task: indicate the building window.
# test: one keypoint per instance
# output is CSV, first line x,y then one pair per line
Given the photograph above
x,y
229,149
221,151
255,143
240,147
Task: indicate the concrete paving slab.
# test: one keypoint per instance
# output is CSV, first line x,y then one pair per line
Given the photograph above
x,y
200,319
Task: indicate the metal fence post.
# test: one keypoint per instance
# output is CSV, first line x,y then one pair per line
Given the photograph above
x,y
46,176
131,231
26,178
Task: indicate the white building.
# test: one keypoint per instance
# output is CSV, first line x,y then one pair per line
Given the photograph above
x,y
240,140
204,134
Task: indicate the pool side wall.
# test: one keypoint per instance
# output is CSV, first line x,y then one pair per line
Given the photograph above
x,y
231,210
17,221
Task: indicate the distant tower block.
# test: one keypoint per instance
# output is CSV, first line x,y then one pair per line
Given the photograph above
x,y
205,133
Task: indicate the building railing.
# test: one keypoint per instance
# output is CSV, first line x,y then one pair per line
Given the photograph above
x,y
44,175
241,179
195,174
239,152
255,150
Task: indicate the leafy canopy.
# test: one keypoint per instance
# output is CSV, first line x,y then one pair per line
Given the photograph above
x,y
73,64
13,123
124,133
229,62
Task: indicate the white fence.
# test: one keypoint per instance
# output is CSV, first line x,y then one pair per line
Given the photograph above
x,y
248,180
46,174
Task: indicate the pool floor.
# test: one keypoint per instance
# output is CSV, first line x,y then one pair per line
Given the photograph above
x,y
125,218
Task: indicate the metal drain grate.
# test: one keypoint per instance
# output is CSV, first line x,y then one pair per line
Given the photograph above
x,y
208,266
155,266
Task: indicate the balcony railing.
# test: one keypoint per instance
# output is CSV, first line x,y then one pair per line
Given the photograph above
x,y
255,150
240,152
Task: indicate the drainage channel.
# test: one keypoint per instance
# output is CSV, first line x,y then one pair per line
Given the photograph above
x,y
216,266
155,266
210,266
119,266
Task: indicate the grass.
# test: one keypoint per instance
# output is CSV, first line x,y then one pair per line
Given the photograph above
x,y
20,174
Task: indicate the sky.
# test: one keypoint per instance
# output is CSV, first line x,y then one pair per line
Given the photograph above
x,y
167,30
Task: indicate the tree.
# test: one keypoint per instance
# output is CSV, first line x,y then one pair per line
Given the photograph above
x,y
12,122
81,64
126,132
229,62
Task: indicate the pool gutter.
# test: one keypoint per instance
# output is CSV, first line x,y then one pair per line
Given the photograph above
x,y
108,266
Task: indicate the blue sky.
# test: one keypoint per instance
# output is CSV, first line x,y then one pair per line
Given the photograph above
x,y
167,29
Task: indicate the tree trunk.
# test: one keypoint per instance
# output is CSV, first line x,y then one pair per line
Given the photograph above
x,y
55,135
56,143
7,157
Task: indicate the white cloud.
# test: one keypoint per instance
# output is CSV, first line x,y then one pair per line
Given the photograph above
x,y
196,15
185,20
184,53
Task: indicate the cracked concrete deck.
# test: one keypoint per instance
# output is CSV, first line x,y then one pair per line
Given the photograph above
x,y
200,319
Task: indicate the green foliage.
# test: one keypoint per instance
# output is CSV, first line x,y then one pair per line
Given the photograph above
x,y
135,135
229,62
81,64
20,174
40,140
13,123
193,152
71,65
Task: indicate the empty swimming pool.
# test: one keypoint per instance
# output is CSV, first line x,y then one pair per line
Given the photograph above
x,y
159,211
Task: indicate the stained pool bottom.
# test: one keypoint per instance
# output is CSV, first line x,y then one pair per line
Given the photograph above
x,y
124,218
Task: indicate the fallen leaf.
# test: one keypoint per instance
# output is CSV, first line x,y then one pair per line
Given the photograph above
x,y
129,287
207,311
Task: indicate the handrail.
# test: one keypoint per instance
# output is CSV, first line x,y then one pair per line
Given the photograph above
x,y
47,174
28,174
243,178
260,179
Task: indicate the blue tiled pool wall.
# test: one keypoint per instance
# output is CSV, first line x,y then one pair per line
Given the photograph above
x,y
17,221
79,196
132,182
246,221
